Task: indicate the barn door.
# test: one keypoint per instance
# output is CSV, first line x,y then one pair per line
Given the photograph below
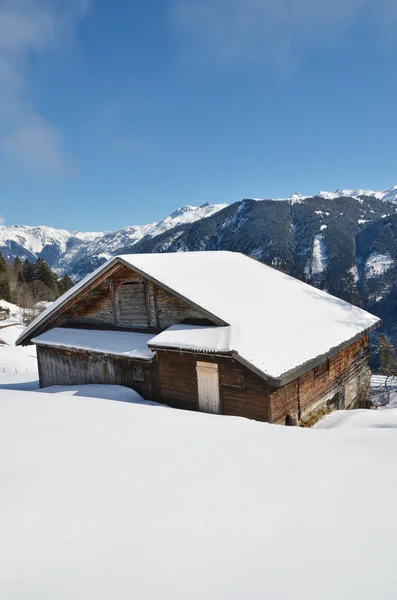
x,y
208,387
132,304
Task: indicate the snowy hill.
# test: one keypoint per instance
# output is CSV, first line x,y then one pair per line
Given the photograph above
x,y
104,499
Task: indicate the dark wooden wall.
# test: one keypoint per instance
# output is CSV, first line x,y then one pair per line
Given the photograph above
x,y
342,381
72,367
242,393
171,378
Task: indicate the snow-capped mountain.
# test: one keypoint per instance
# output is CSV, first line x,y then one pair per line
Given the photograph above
x,y
73,252
343,241
389,195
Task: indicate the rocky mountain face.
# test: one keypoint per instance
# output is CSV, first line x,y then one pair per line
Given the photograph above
x,y
343,241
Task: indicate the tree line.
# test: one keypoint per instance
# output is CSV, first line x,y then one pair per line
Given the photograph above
x,y
30,283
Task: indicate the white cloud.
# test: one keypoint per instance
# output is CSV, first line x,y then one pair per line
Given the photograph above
x,y
30,28
271,30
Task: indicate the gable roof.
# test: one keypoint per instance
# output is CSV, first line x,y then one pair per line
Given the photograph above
x,y
279,326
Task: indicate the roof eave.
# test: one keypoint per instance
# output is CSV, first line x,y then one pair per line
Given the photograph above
x,y
296,372
91,351
68,297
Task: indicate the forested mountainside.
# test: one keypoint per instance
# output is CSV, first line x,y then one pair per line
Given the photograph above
x,y
346,244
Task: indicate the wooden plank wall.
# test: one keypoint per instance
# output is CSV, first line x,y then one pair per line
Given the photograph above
x,y
113,303
242,393
72,367
321,384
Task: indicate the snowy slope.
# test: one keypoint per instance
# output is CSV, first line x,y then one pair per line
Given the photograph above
x,y
112,500
34,239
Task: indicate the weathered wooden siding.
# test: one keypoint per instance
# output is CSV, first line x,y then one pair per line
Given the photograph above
x,y
342,381
126,299
72,367
242,393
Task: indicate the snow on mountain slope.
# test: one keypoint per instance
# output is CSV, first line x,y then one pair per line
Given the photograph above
x,y
63,249
186,214
34,239
378,264
88,236
319,259
111,243
388,194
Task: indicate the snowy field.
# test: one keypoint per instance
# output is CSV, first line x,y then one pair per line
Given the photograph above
x,y
13,360
115,500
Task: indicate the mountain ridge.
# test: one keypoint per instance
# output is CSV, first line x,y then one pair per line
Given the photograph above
x,y
346,245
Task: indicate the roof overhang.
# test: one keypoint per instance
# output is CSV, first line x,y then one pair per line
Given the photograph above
x,y
296,372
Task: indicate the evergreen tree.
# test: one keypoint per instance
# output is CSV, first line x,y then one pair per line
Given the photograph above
x,y
65,283
28,271
5,292
17,264
3,264
46,275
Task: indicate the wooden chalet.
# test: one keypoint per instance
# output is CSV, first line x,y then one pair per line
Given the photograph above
x,y
212,331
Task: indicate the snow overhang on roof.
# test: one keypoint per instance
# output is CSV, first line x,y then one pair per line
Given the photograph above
x,y
279,326
115,343
195,338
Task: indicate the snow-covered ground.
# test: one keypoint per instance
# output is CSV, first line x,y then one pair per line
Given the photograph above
x,y
13,360
111,500
384,391
129,499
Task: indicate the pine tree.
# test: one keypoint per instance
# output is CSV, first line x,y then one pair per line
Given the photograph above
x,y
46,275
28,271
65,283
5,291
17,264
3,264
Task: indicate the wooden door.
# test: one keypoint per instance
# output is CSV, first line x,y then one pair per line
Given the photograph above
x,y
132,304
208,387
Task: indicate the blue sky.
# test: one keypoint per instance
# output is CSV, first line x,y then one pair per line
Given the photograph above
x,y
116,113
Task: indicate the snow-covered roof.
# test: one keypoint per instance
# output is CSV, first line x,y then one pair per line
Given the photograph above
x,y
279,325
194,337
117,343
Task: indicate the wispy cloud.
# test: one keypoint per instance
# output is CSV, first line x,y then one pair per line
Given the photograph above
x,y
29,28
271,30
2,220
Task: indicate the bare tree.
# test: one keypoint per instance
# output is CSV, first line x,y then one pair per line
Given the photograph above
x,y
386,352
